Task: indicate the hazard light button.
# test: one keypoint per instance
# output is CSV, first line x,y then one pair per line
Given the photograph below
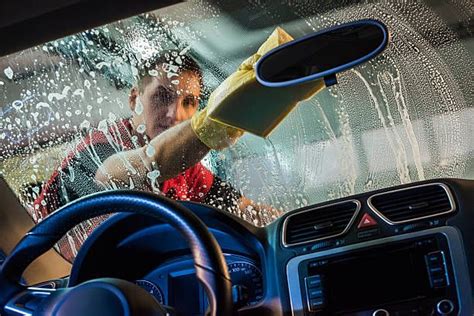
x,y
367,221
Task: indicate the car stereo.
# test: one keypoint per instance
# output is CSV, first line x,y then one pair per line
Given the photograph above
x,y
413,276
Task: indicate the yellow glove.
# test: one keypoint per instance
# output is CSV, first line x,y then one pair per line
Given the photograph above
x,y
241,103
214,134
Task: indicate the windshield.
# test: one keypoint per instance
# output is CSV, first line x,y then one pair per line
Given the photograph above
x,y
69,105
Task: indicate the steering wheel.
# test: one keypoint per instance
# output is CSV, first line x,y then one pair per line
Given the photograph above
x,y
109,296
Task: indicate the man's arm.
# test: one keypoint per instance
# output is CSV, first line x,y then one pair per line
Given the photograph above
x,y
171,152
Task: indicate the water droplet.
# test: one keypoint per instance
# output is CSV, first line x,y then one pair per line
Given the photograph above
x,y
54,95
141,128
79,92
17,104
170,68
134,71
138,106
85,124
131,185
150,151
8,72
103,126
153,72
42,105
102,64
153,175
185,50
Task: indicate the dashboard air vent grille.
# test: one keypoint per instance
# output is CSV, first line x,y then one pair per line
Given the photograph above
x,y
413,203
319,223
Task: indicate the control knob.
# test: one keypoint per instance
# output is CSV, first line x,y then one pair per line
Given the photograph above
x,y
381,312
445,307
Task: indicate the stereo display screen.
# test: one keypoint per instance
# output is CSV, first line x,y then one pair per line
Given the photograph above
x,y
376,277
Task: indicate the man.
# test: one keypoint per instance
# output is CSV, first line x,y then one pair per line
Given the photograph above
x,y
158,149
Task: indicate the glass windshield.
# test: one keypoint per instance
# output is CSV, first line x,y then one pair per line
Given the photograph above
x,y
70,105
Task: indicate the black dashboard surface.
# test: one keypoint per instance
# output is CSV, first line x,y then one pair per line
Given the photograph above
x,y
137,248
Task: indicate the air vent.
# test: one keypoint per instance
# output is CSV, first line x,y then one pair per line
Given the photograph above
x,y
319,223
413,203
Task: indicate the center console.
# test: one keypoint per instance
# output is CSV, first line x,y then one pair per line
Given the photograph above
x,y
421,273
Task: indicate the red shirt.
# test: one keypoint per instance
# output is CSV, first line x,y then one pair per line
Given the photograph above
x,y
75,178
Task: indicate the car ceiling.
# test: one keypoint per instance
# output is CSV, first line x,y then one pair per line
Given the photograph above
x,y
51,19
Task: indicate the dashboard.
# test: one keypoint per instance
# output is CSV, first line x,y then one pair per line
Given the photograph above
x,y
407,250
175,280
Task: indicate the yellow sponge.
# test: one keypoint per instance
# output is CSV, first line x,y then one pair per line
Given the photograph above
x,y
241,103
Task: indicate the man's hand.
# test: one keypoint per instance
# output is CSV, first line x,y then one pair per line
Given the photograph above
x,y
257,213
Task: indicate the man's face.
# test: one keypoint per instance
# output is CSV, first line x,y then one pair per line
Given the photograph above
x,y
168,101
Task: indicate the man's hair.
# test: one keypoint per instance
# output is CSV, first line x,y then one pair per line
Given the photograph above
x,y
182,62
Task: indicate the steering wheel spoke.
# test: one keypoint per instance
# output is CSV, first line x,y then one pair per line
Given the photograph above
x,y
28,301
170,311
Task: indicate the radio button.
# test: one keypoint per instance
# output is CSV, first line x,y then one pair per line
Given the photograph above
x,y
439,282
435,259
316,304
313,281
436,270
436,264
315,293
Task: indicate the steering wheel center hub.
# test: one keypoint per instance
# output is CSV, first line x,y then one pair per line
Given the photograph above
x,y
104,297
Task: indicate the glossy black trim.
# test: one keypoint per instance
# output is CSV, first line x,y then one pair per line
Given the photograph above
x,y
65,20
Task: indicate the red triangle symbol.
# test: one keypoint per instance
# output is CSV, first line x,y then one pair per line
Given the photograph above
x,y
366,221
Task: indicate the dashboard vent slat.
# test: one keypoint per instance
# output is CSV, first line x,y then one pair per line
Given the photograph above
x,y
413,203
319,223
402,200
310,224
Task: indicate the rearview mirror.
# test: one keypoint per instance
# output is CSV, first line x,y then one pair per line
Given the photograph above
x,y
322,54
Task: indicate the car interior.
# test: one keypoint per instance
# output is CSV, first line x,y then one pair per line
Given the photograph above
x,y
361,197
